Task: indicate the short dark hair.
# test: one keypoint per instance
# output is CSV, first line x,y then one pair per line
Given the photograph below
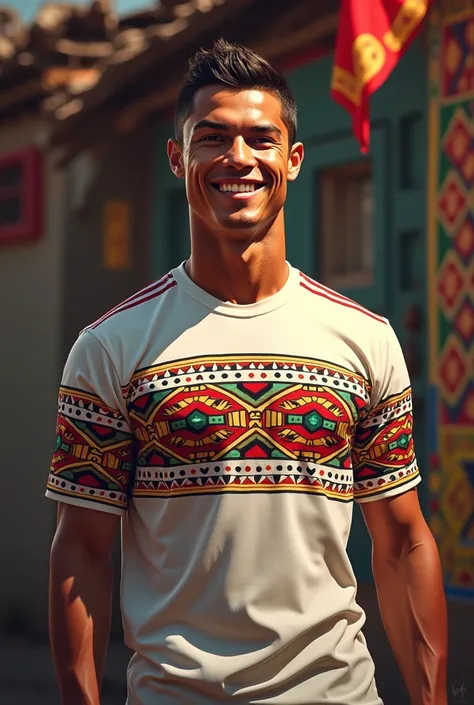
x,y
234,66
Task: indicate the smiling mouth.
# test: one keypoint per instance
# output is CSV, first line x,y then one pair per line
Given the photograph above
x,y
234,188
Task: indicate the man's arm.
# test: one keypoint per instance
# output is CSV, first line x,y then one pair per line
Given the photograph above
x,y
81,581
410,592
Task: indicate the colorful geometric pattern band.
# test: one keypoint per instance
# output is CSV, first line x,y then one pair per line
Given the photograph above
x,y
235,424
94,456
452,294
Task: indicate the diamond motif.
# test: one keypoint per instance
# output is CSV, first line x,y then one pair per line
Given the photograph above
x,y
404,441
450,283
452,202
460,414
457,140
197,420
452,371
464,240
456,62
453,56
464,323
313,421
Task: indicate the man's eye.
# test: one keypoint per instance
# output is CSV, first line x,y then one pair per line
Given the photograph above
x,y
263,140
211,138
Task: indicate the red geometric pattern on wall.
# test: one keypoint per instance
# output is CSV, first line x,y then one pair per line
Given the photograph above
x,y
464,323
457,144
452,202
457,70
464,240
451,283
453,371
451,407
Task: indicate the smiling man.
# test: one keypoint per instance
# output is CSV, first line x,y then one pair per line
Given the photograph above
x,y
228,416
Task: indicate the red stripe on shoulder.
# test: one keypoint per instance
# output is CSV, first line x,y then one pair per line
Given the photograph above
x,y
145,295
143,292
326,293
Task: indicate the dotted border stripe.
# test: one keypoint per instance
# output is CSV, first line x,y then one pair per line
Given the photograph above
x,y
243,476
365,488
72,406
389,413
218,375
74,489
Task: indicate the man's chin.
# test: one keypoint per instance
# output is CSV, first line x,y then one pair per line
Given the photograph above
x,y
239,221
242,231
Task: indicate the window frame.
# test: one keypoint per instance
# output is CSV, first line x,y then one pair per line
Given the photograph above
x,y
326,178
29,192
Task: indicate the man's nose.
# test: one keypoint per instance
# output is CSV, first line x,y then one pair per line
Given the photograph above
x,y
240,154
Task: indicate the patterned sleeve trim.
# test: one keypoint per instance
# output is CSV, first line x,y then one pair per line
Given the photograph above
x,y
94,457
383,453
391,408
389,485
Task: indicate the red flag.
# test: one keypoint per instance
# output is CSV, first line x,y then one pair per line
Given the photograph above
x,y
372,36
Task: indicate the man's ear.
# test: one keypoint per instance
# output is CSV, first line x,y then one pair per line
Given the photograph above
x,y
175,157
295,160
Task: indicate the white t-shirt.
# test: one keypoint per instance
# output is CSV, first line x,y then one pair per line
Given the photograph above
x,y
233,440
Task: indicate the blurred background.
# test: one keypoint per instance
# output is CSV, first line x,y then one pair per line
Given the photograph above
x,y
90,213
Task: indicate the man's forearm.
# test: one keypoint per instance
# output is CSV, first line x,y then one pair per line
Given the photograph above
x,y
80,609
413,610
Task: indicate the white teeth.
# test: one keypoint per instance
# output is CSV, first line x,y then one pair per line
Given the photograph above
x,y
236,188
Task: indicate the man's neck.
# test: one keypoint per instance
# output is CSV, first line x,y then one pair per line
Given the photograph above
x,y
239,272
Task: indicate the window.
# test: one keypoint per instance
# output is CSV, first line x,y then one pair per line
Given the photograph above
x,y
20,195
347,226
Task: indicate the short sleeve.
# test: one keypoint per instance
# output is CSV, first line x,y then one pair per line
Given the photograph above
x,y
93,462
384,460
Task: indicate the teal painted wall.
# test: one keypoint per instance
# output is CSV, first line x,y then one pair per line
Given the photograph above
x,y
398,153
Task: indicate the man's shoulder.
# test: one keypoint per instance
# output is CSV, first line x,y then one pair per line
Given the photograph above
x,y
341,307
133,311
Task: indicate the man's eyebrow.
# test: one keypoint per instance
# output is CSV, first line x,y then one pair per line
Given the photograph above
x,y
266,128
212,125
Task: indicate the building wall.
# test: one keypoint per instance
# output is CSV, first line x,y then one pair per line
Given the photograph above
x,y
50,290
30,323
451,271
120,170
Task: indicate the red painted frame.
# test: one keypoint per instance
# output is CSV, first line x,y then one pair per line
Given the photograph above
x,y
30,192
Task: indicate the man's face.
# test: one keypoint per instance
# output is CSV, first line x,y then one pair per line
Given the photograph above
x,y
236,160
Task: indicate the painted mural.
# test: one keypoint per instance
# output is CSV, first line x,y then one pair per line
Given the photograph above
x,y
451,271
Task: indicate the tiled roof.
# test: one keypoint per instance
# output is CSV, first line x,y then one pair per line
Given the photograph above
x,y
92,72
69,48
